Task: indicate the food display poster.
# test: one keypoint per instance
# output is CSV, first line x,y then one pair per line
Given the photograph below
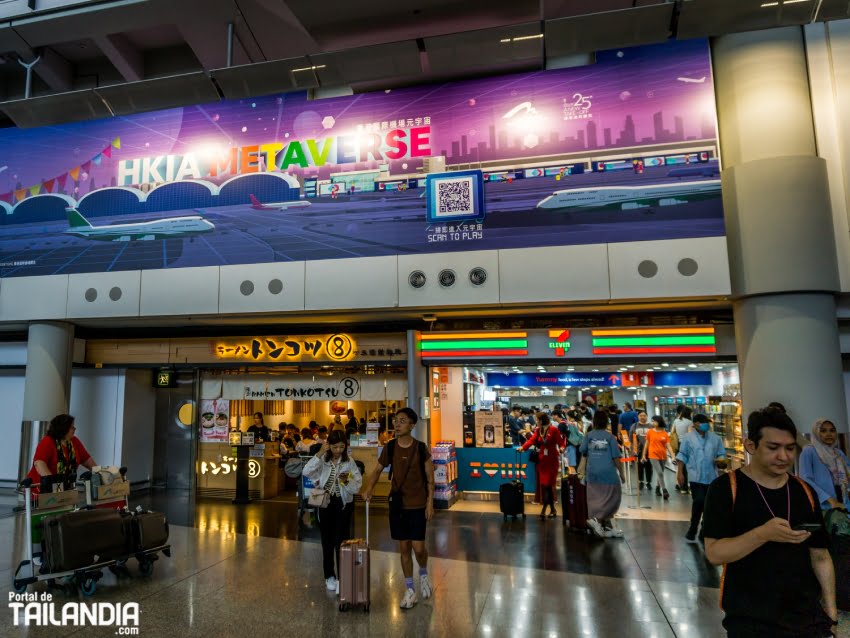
x,y
215,420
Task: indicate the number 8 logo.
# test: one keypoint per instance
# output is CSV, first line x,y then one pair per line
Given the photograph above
x,y
350,387
339,347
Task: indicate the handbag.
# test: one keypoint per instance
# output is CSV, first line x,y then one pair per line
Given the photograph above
x,y
319,497
674,441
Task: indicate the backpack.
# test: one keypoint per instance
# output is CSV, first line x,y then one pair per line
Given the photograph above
x,y
575,437
423,450
733,485
837,522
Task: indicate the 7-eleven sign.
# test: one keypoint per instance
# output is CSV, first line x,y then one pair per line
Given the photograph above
x,y
559,342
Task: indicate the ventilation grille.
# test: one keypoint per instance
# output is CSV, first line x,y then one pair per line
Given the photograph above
x,y
447,278
477,276
416,279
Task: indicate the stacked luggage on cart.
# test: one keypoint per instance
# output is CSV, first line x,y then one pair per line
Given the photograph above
x,y
73,535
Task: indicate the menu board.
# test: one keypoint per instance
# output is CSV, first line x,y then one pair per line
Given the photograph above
x,y
489,431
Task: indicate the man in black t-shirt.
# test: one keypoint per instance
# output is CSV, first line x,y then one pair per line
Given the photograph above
x,y
766,528
411,499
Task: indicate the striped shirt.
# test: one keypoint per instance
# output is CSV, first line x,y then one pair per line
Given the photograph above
x,y
332,485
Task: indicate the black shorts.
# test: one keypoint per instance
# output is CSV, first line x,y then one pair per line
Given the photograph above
x,y
408,525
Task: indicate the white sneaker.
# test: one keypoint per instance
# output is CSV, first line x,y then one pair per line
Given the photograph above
x,y
596,527
331,583
425,586
409,599
613,533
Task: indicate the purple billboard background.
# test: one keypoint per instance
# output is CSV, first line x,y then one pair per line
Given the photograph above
x,y
653,100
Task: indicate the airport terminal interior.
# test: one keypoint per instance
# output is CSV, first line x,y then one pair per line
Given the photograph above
x,y
232,228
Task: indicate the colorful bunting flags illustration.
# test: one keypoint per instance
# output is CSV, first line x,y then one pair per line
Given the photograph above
x,y
48,185
116,143
19,195
98,159
74,173
107,152
62,179
35,190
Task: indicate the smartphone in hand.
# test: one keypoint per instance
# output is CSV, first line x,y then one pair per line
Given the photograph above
x,y
807,527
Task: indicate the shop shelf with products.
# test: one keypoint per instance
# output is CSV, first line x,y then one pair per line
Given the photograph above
x,y
666,406
444,458
726,413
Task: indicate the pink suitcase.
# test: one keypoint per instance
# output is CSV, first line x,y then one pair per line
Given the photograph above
x,y
354,571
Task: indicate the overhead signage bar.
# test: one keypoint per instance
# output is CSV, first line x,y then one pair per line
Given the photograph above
x,y
562,345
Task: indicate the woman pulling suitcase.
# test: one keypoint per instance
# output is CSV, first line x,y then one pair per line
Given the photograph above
x,y
338,480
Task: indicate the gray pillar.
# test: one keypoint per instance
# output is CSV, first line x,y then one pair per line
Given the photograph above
x,y
779,227
47,386
417,386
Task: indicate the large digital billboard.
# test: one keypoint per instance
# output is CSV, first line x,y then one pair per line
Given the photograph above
x,y
621,150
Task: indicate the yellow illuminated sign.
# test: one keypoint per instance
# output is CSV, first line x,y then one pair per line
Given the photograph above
x,y
228,465
333,347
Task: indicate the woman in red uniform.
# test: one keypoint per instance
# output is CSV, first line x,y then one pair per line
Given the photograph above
x,y
59,452
549,443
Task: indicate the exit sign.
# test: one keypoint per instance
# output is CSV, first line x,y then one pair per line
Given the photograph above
x,y
164,379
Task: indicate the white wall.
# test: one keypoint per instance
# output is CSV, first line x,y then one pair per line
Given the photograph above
x,y
12,400
138,425
97,403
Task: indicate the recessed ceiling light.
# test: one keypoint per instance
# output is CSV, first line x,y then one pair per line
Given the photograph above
x,y
718,367
630,366
596,369
692,365
659,387
665,365
681,368
763,6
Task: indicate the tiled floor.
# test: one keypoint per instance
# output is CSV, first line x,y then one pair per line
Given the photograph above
x,y
253,571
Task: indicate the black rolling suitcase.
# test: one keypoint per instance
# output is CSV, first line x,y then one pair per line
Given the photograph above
x,y
512,496
149,530
78,539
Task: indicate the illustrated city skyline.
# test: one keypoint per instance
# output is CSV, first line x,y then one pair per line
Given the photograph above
x,y
500,141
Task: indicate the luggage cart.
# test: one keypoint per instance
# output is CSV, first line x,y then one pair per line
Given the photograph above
x,y
28,572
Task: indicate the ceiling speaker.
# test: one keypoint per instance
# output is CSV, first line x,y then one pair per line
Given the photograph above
x,y
477,276
447,278
416,279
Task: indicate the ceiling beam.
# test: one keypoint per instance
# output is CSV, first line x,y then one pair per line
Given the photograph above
x,y
55,70
123,54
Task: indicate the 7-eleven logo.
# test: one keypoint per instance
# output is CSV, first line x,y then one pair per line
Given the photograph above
x,y
561,344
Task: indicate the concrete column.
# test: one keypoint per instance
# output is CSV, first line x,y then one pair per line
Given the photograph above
x,y
417,386
779,227
47,385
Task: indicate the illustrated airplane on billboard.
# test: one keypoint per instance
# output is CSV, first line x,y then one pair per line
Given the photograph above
x,y
170,228
256,204
631,197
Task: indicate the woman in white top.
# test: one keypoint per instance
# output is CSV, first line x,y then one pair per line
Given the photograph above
x,y
335,472
683,424
303,446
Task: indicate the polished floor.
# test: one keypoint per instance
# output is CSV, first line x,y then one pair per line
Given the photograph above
x,y
255,571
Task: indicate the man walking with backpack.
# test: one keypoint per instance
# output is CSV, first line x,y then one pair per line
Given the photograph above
x,y
411,499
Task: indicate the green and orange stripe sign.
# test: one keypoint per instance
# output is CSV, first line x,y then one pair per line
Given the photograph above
x,y
697,340
446,345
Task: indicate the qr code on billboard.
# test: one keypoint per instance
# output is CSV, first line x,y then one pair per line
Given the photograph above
x,y
454,197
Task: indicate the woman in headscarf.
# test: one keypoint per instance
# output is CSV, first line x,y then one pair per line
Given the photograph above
x,y
825,467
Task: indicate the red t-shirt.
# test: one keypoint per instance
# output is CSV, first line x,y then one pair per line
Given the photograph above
x,y
46,451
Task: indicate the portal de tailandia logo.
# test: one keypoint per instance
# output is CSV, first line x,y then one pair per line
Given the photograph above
x,y
38,610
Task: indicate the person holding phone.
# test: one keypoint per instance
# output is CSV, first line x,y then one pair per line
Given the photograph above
x,y
334,471
765,526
